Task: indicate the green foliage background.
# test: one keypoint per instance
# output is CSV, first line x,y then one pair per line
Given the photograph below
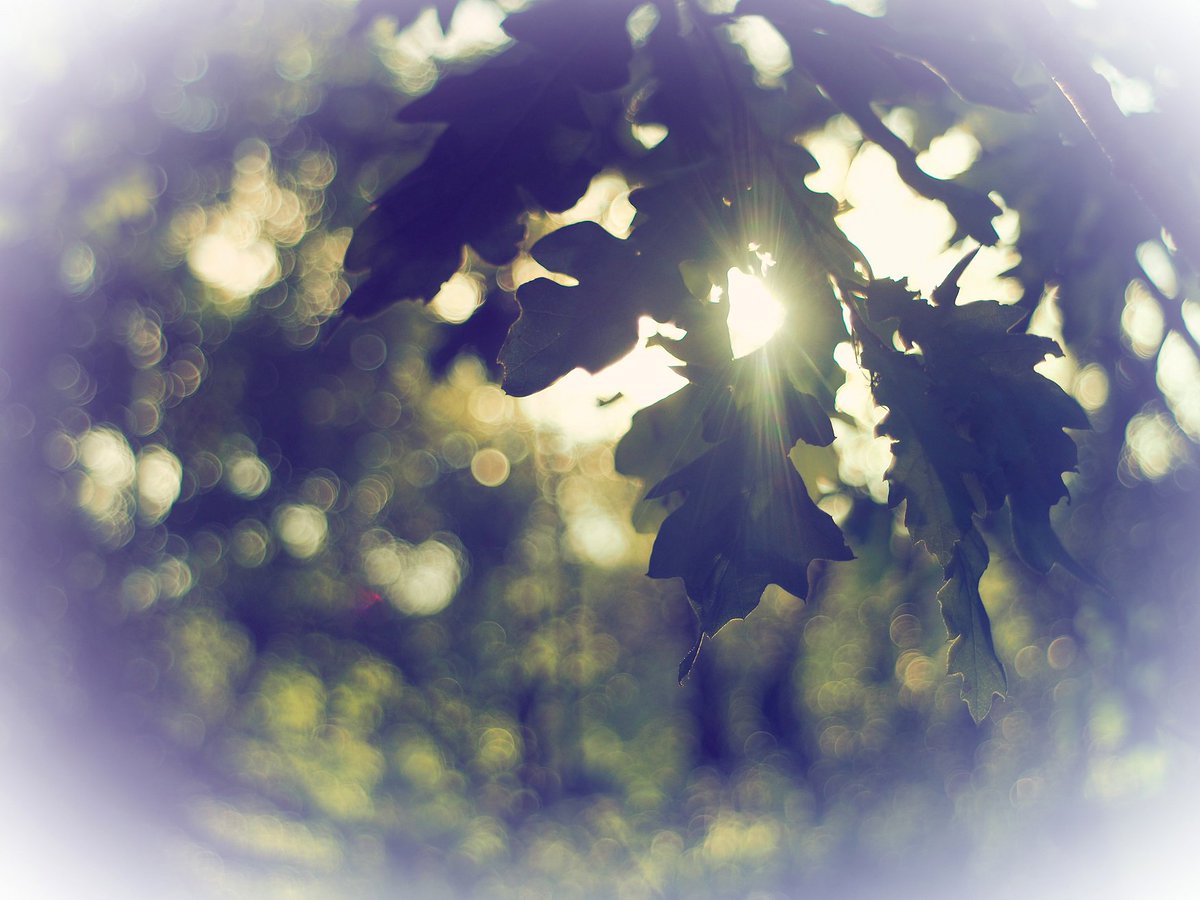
x,y
339,617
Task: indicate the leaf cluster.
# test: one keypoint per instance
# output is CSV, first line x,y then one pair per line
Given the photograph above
x,y
974,426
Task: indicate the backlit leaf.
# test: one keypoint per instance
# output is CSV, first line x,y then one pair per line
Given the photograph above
x,y
747,520
589,325
513,131
972,654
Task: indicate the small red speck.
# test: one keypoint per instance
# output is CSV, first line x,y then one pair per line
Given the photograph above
x,y
367,599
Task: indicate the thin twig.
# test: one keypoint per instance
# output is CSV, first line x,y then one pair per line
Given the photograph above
x,y
1177,208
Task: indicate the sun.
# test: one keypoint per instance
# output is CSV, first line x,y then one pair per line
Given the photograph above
x,y
754,314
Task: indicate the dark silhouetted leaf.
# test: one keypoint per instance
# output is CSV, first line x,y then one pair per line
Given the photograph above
x,y
972,654
589,325
747,520
512,128
668,435
974,424
980,387
586,38
985,372
932,461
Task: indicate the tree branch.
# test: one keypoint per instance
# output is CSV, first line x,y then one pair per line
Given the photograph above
x,y
1089,95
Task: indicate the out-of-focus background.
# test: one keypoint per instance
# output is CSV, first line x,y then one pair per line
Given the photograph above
x,y
290,618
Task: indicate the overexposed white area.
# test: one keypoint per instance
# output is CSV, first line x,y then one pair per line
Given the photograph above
x,y
577,404
86,808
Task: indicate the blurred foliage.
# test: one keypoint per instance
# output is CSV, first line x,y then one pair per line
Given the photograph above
x,y
374,625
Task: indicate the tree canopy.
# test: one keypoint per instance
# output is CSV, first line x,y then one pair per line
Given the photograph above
x,y
721,188
291,289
